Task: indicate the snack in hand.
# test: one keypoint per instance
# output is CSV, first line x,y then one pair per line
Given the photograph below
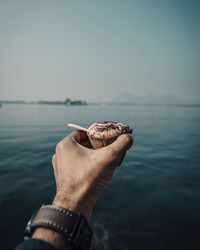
x,y
104,133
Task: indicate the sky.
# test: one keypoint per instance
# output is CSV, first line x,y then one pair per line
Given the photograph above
x,y
96,50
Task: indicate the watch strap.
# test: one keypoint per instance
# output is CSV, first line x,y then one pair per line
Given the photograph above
x,y
72,226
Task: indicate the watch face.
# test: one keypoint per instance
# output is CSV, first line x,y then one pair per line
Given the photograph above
x,y
27,233
28,230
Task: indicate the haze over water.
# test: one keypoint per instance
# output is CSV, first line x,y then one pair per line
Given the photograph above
x,y
96,50
153,199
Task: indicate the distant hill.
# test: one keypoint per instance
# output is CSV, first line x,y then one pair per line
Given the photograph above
x,y
128,98
166,99
152,99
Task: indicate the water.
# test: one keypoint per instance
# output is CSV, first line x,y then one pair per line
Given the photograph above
x,y
153,200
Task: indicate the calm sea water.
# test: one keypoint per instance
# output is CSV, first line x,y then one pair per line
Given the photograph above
x,y
153,200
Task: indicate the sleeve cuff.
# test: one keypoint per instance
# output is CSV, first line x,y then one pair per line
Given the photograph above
x,y
34,244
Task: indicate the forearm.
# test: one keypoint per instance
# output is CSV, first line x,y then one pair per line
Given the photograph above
x,y
53,238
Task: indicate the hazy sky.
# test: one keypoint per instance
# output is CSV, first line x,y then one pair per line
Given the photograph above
x,y
94,50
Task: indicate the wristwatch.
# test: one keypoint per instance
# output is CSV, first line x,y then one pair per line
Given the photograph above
x,y
74,227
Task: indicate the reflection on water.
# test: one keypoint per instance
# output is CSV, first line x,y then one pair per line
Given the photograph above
x,y
153,199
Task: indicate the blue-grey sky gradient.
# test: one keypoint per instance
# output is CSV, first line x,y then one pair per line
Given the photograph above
x,y
95,50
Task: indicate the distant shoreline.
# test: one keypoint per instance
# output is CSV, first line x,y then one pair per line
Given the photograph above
x,y
98,103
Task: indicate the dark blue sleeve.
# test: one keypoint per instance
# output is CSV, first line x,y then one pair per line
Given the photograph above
x,y
34,244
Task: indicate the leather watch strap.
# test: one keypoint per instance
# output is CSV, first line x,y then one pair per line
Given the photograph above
x,y
72,226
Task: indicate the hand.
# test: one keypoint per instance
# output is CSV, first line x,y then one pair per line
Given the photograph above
x,y
81,173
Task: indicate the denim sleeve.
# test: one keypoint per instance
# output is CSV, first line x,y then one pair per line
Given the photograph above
x,y
34,244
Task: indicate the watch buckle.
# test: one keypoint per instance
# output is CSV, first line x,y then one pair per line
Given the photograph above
x,y
74,235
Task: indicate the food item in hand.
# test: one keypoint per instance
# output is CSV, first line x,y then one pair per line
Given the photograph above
x,y
104,133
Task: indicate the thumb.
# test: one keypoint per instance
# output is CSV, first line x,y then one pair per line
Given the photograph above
x,y
113,154
123,143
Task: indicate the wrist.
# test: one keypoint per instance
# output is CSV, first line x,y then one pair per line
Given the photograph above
x,y
60,227
74,206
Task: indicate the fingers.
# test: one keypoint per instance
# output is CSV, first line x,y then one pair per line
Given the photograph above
x,y
123,142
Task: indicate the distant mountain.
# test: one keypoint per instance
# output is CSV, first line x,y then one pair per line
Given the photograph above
x,y
128,98
162,99
152,99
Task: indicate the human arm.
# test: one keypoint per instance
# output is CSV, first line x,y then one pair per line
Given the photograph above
x,y
81,175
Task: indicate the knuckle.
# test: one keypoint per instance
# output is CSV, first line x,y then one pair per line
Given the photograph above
x,y
53,158
59,147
